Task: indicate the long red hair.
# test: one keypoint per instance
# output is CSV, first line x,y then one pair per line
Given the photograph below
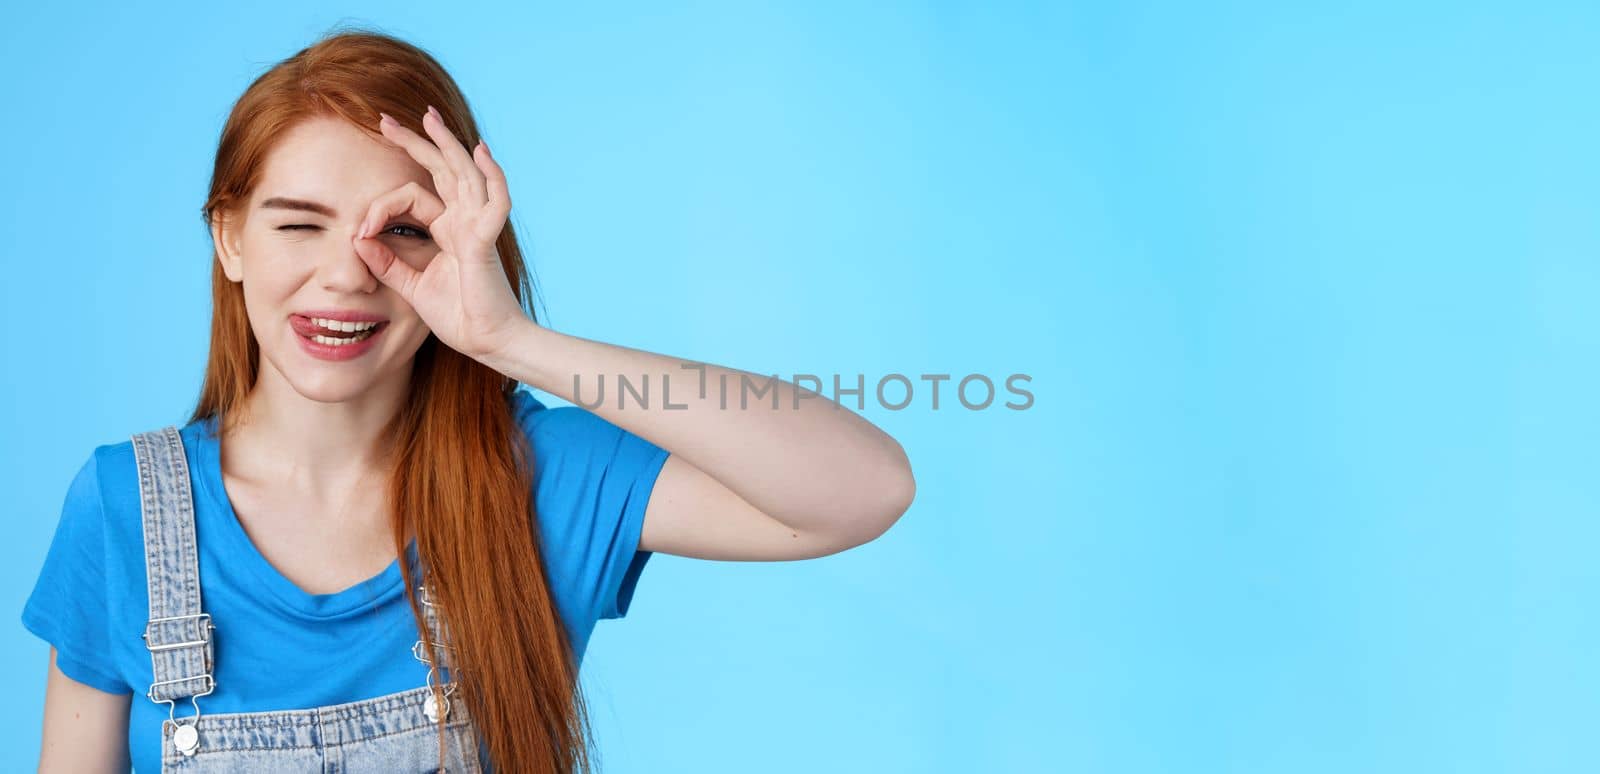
x,y
461,479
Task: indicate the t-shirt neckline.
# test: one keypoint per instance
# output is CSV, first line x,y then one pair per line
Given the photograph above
x,y
357,599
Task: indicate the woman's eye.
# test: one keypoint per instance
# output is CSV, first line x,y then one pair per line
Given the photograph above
x,y
296,226
415,233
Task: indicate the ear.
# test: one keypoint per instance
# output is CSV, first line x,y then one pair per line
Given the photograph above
x,y
225,240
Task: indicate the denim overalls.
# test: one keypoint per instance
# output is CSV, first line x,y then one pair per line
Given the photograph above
x,y
389,734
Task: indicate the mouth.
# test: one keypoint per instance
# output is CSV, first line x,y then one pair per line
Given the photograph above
x,y
336,338
325,330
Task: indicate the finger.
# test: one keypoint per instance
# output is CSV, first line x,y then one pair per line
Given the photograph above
x,y
388,268
424,152
409,198
468,178
499,206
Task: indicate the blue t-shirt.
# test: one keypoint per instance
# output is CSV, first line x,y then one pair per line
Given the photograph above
x,y
278,647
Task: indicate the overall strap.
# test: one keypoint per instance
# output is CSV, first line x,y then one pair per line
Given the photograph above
x,y
178,633
436,629
441,682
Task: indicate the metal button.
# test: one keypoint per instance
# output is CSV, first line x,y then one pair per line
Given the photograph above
x,y
431,708
186,738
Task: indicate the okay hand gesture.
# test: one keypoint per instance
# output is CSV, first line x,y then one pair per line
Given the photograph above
x,y
462,293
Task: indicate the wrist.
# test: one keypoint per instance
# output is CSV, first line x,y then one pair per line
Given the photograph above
x,y
509,346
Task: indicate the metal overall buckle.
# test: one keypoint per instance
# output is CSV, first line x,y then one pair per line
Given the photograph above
x,y
437,704
186,737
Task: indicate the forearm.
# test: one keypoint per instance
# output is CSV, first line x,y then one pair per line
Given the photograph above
x,y
797,456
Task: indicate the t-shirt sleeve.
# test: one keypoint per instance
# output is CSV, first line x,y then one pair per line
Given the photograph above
x,y
631,467
68,605
594,480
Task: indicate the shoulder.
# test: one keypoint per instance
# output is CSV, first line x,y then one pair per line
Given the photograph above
x,y
113,460
90,499
103,487
554,428
582,449
115,466
110,474
108,466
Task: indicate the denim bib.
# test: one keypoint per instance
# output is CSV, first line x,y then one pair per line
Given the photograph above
x,y
393,733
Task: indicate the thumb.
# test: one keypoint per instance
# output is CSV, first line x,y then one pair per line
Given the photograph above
x,y
388,267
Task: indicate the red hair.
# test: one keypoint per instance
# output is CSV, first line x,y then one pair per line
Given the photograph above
x,y
461,479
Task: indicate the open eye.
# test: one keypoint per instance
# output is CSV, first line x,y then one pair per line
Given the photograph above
x,y
415,233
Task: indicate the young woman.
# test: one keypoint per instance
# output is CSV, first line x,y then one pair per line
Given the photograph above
x,y
368,549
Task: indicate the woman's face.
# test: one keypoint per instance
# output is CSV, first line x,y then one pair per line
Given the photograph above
x,y
325,324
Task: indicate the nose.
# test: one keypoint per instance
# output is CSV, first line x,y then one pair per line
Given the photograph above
x,y
343,271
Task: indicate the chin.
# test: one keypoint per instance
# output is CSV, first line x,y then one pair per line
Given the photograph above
x,y
330,387
328,381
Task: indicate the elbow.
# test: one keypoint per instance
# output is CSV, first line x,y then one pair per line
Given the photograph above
x,y
902,489
894,489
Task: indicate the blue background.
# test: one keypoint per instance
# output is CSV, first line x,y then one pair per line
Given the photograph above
x,y
1308,297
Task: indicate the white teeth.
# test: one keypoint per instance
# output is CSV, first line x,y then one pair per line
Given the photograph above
x,y
341,325
340,341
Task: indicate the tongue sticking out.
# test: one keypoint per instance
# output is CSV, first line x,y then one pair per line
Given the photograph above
x,y
305,327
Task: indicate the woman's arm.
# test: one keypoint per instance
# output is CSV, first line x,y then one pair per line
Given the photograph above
x,y
782,482
753,483
85,728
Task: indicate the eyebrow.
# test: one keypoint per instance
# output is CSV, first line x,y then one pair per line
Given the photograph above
x,y
285,203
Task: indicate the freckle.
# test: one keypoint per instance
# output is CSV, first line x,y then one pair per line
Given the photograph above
x,y
794,534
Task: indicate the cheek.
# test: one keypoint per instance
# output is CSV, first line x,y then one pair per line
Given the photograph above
x,y
268,285
277,266
264,290
259,311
